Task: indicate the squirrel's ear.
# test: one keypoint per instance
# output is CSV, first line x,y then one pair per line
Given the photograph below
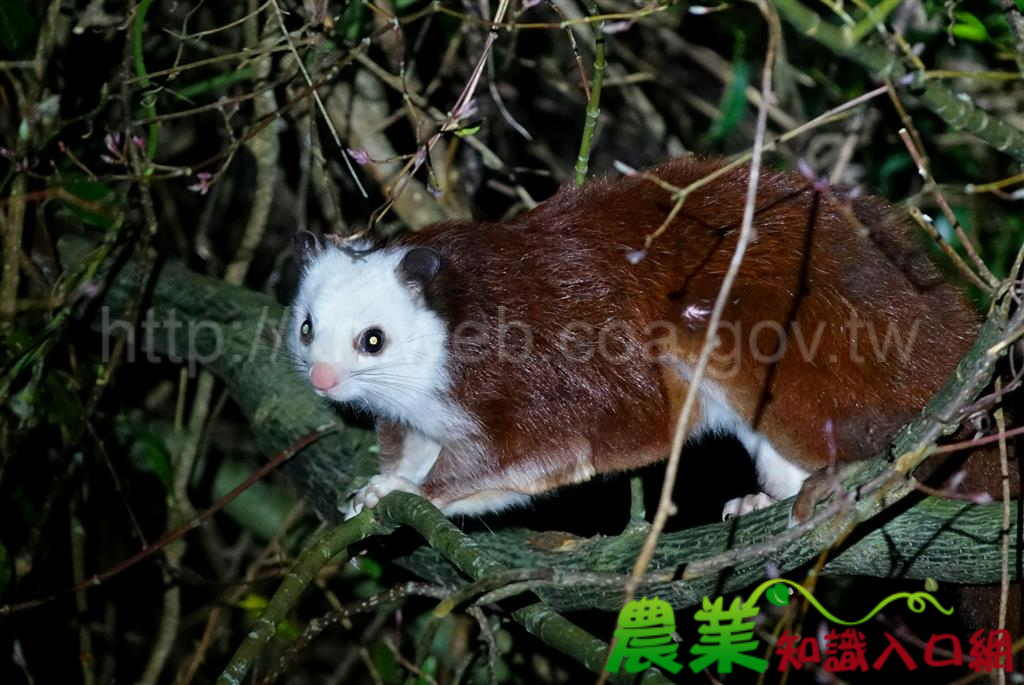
x,y
419,267
305,247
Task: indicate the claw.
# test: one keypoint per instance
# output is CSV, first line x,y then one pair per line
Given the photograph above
x,y
371,494
745,505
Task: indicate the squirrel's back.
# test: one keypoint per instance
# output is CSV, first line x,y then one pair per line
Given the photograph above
x,y
837,330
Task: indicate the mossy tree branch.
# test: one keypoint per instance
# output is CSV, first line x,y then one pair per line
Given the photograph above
x,y
443,535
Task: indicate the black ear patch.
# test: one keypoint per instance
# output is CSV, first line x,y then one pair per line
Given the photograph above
x,y
306,247
419,267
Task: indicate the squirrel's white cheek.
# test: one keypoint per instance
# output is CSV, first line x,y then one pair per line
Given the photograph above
x,y
425,341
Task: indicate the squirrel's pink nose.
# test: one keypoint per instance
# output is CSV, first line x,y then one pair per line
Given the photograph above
x,y
322,376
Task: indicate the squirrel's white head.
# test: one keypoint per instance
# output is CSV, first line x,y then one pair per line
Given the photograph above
x,y
361,331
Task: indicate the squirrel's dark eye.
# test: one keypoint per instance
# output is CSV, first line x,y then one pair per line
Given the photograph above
x,y
372,340
306,331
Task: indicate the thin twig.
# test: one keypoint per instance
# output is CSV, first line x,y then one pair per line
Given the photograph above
x,y
12,224
147,551
972,188
452,121
680,194
594,98
78,544
977,442
318,625
319,101
560,25
665,505
1015,19
925,224
190,669
306,567
930,185
1004,571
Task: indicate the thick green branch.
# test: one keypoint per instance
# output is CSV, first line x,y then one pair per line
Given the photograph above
x,y
444,536
477,562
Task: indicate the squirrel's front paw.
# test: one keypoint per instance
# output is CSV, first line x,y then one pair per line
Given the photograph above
x,y
745,505
370,494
